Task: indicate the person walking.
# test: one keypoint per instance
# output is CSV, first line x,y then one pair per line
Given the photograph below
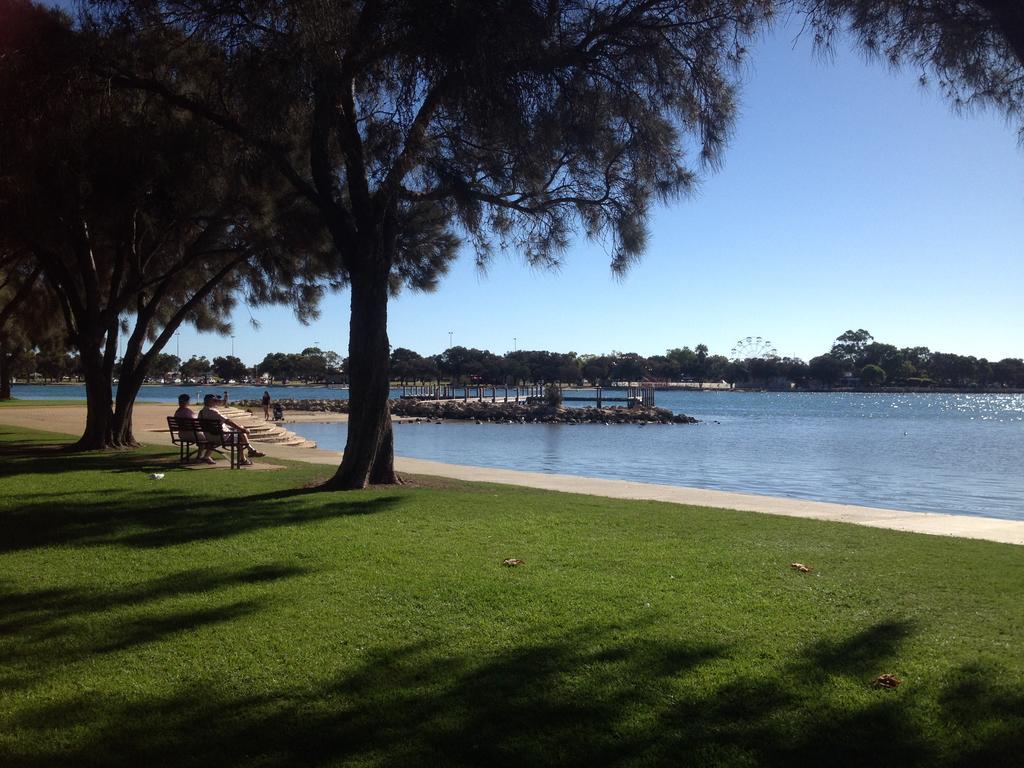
x,y
266,405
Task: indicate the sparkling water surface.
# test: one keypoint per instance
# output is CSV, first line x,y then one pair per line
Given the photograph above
x,y
951,453
958,454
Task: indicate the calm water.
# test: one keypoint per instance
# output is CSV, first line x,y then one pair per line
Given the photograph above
x,y
959,454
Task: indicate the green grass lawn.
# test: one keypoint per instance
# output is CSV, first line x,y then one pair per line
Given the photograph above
x,y
239,618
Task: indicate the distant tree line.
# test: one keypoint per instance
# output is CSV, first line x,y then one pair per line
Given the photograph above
x,y
854,360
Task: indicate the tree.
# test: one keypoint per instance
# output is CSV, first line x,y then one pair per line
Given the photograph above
x,y
627,366
311,364
276,365
826,369
402,121
700,368
849,347
974,47
952,369
596,369
662,368
19,281
1009,372
141,216
405,364
794,369
53,362
227,368
763,370
872,376
195,368
735,372
163,365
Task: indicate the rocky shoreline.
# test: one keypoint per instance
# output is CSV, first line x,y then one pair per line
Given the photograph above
x,y
497,413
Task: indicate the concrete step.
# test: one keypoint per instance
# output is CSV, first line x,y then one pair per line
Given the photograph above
x,y
263,431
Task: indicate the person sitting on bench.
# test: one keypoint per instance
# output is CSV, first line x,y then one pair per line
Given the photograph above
x,y
203,448
210,413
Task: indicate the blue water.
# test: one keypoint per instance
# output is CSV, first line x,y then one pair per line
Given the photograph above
x,y
958,454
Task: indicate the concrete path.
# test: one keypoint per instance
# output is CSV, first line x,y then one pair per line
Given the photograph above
x,y
150,427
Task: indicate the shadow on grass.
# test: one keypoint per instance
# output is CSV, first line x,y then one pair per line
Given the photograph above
x,y
588,697
69,511
43,630
46,457
170,519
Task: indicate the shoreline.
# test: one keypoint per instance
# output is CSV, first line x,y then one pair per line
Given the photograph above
x,y
150,429
671,387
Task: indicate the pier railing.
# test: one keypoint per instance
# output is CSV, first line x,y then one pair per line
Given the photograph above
x,y
640,395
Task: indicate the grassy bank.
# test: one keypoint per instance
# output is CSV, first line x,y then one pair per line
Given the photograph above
x,y
236,618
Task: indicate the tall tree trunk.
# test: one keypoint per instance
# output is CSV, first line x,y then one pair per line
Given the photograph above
x,y
98,399
5,370
369,451
121,422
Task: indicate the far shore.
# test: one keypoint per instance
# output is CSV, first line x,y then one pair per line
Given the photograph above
x,y
151,428
711,387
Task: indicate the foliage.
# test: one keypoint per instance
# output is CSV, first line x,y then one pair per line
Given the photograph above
x,y
141,216
553,395
975,48
849,346
403,122
407,365
196,368
872,376
212,615
827,369
164,364
312,364
227,368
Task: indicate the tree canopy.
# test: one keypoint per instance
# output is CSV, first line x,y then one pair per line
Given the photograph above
x,y
407,124
974,49
140,216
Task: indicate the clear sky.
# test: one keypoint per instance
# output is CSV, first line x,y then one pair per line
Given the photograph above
x,y
850,197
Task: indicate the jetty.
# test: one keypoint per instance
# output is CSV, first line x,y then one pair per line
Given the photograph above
x,y
641,395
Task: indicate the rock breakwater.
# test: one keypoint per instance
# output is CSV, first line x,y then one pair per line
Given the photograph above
x,y
498,413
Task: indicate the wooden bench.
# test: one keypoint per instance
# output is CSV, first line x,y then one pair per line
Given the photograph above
x,y
186,433
218,437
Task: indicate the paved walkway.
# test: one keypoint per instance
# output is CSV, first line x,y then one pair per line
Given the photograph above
x,y
151,427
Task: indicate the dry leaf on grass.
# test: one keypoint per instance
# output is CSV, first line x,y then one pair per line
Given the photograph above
x,y
886,681
512,561
800,567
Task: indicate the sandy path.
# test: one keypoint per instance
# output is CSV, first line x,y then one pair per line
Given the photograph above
x,y
151,427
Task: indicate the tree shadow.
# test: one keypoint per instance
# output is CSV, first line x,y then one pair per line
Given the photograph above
x,y
858,655
585,697
168,518
20,457
988,709
43,630
163,515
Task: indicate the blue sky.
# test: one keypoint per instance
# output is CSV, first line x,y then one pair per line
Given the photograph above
x,y
850,197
